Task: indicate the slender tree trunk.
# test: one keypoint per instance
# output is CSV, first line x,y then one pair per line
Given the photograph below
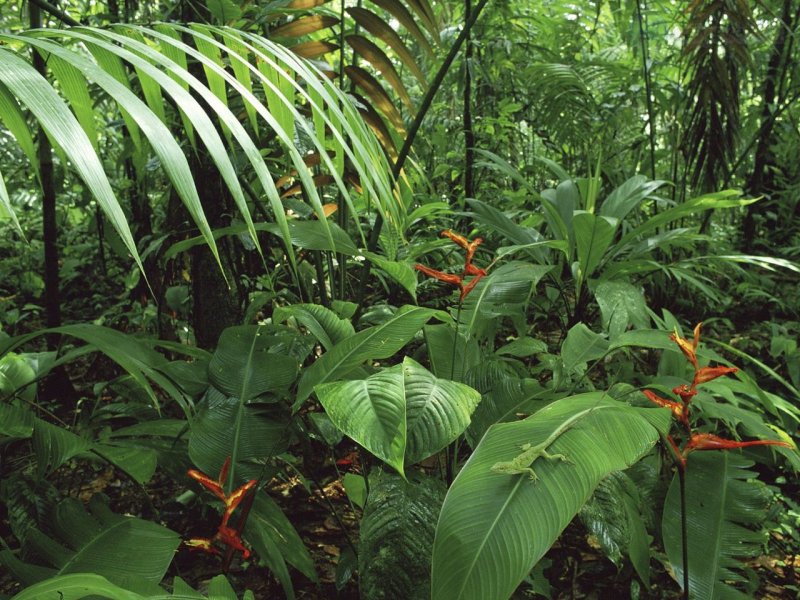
x,y
469,134
49,225
57,386
215,304
756,181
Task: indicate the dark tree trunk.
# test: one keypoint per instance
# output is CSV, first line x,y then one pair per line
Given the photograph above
x,y
758,179
49,225
57,386
216,305
469,134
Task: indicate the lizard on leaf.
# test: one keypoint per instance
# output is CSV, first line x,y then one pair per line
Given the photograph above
x,y
523,463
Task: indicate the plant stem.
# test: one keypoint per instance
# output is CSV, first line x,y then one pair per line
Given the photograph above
x,y
425,105
684,537
56,12
651,124
451,456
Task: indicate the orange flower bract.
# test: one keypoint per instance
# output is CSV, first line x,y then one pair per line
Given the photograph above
x,y
225,534
469,269
709,441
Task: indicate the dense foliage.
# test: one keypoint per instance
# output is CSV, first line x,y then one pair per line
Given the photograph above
x,y
432,265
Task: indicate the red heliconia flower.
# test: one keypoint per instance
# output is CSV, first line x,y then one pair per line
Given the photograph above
x,y
685,393
470,247
227,535
466,289
450,278
236,497
708,373
202,544
456,238
230,537
469,269
680,411
677,452
709,441
688,348
215,487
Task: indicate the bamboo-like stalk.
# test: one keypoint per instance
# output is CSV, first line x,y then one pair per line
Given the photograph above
x,y
402,156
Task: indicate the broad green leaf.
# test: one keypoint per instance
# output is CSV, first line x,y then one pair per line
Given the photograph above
x,y
593,236
249,362
621,304
137,462
248,433
267,524
54,445
355,486
560,205
582,345
522,347
724,199
321,322
41,99
494,527
224,11
372,412
450,358
437,410
396,536
643,338
76,587
726,507
374,343
401,272
105,543
506,288
17,377
402,414
15,421
628,196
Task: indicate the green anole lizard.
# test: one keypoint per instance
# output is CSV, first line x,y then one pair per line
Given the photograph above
x,y
524,461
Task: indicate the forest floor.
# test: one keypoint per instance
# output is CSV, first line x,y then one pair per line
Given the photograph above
x,y
575,566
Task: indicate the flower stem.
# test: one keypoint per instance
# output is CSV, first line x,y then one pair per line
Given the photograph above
x,y
451,456
684,537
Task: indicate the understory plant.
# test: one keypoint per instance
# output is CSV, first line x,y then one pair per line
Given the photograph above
x,y
268,223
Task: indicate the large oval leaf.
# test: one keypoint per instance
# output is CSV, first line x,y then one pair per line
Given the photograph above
x,y
437,410
494,527
378,342
246,363
226,427
401,414
372,412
